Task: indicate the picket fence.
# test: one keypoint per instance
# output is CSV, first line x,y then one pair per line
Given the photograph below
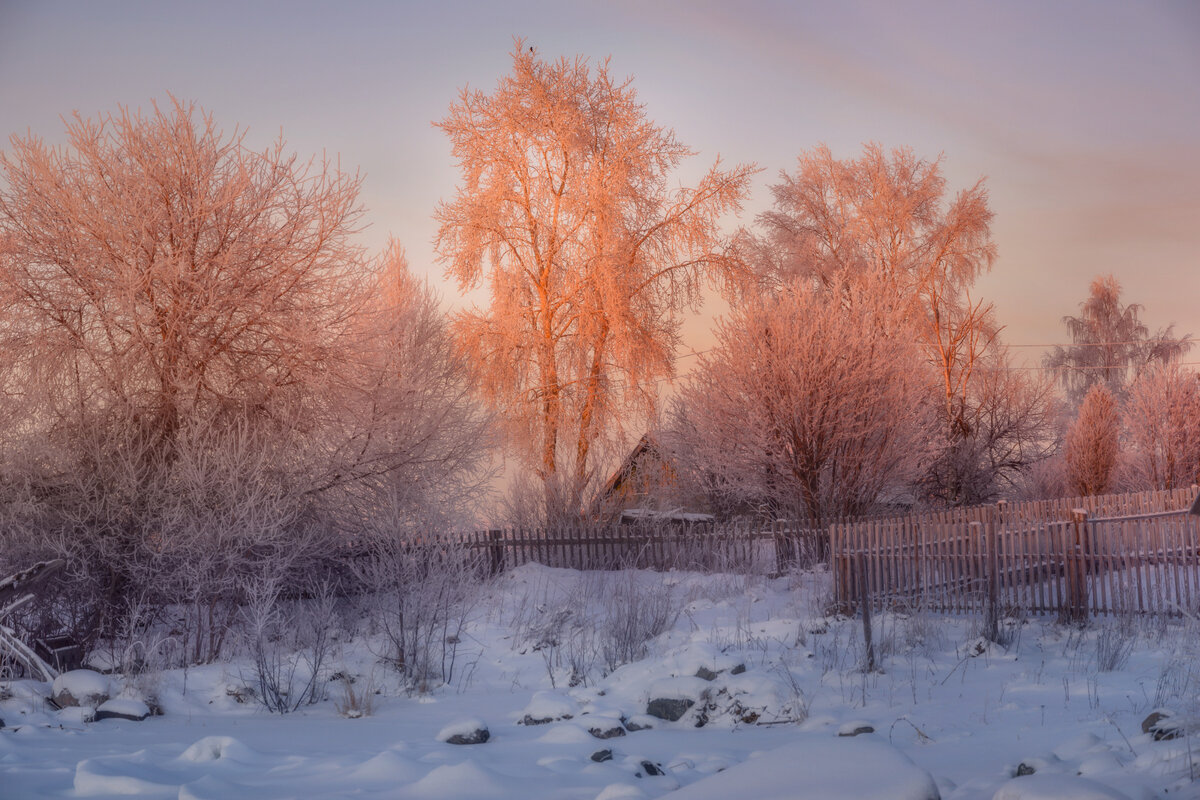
x,y
1110,554
707,547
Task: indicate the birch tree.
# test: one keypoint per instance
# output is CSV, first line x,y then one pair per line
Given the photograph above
x,y
885,219
1110,343
567,211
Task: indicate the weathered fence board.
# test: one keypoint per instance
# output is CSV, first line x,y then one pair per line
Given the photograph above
x,y
1079,557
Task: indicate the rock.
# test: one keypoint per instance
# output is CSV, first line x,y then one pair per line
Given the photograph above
x,y
477,736
546,707
738,670
704,673
1162,726
467,731
1155,717
123,708
1024,769
79,687
607,732
670,709
242,694
855,729
600,756
652,769
641,722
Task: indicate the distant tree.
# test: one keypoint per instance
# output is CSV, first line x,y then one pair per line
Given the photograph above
x,y
1110,344
1162,416
1093,443
805,408
567,209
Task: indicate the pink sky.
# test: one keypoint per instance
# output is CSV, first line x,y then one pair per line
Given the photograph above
x,y
1084,116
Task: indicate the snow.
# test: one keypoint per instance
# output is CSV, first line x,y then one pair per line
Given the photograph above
x,y
861,768
945,721
1056,787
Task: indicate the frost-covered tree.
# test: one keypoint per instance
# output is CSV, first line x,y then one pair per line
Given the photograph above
x,y
805,408
1162,417
1110,343
567,209
1093,443
201,371
885,219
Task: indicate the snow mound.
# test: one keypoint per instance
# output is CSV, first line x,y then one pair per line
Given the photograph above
x,y
133,774
1056,787
219,748
387,767
465,781
858,768
621,791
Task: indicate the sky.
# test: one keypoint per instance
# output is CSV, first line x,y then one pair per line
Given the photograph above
x,y
1084,117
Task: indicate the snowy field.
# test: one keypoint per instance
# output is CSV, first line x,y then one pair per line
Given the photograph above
x,y
771,679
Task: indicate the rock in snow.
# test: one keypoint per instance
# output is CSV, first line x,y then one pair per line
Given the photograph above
x,y
548,707
123,708
79,687
467,731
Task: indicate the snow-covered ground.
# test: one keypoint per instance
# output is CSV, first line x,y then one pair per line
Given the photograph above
x,y
772,682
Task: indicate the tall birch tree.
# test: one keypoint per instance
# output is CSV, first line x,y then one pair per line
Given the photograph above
x,y
568,211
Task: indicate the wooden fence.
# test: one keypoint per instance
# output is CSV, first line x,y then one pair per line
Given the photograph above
x,y
1091,555
705,547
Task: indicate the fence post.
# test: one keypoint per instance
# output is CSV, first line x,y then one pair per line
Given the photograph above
x,y
1077,567
991,551
864,604
496,550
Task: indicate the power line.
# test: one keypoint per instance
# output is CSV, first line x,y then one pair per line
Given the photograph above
x,y
1188,340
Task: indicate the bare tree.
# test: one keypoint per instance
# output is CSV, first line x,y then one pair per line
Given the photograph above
x,y
1093,443
566,208
805,409
1110,343
1162,416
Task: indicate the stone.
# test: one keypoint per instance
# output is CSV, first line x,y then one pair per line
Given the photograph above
x,y
639,723
670,709
79,687
704,673
123,708
855,730
738,670
1163,726
1149,723
478,736
465,731
1024,769
600,756
607,732
652,769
